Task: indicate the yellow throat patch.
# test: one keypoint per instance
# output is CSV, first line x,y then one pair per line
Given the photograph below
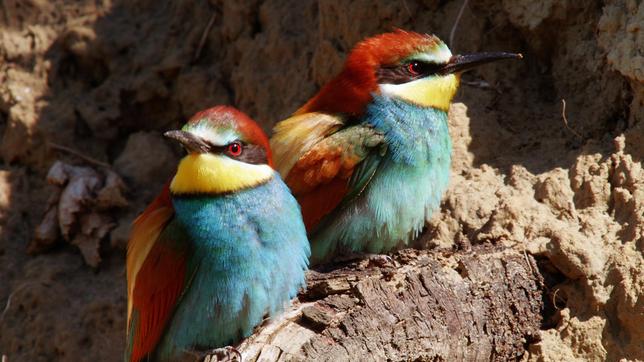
x,y
436,92
216,174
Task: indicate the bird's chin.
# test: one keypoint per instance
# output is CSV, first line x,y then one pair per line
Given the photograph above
x,y
434,91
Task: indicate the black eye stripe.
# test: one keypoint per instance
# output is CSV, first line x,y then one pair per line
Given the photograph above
x,y
406,72
425,68
250,153
253,154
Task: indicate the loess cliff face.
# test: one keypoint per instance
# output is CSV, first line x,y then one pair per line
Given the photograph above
x,y
105,78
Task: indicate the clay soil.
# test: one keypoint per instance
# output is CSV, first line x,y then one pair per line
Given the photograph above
x,y
93,84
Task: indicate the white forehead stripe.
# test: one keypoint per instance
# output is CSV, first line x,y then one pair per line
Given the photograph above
x,y
220,137
442,54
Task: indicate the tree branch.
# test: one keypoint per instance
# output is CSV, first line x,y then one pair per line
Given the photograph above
x,y
478,305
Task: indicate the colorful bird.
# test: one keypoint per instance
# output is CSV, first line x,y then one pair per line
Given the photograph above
x,y
368,157
222,246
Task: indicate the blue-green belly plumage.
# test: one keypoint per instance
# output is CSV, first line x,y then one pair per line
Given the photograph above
x,y
407,185
250,253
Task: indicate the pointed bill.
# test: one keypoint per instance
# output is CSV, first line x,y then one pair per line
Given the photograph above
x,y
462,63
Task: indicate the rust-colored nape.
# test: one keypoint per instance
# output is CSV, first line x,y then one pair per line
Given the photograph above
x,y
350,91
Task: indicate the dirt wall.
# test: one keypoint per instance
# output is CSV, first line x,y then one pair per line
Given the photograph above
x,y
104,79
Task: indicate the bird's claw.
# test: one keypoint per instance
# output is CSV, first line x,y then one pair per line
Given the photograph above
x,y
380,260
224,354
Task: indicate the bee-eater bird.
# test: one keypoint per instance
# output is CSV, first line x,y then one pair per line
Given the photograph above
x,y
368,157
221,247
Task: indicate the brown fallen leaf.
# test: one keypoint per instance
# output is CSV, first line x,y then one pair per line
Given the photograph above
x,y
79,210
46,233
77,197
111,195
94,227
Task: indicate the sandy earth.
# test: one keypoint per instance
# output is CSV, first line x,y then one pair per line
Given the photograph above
x,y
105,78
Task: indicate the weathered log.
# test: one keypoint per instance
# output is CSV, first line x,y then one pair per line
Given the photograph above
x,y
476,305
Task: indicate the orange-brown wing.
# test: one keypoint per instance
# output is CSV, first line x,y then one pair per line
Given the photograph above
x,y
321,174
145,231
294,136
157,270
319,181
159,285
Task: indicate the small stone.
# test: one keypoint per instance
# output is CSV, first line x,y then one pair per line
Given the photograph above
x,y
146,160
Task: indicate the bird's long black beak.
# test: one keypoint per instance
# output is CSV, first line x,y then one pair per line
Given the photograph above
x,y
191,142
462,63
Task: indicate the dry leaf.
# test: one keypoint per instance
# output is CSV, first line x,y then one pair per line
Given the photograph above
x,y
77,196
46,233
80,209
111,195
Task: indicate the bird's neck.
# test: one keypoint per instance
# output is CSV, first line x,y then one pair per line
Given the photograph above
x,y
414,134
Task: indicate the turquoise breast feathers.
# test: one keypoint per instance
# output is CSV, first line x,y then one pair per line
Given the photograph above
x,y
247,266
415,168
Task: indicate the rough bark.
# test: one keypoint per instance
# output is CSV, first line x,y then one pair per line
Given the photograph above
x,y
476,305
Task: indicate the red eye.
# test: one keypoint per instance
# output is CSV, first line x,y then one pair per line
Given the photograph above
x,y
235,149
414,68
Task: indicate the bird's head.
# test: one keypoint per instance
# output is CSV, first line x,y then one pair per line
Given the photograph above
x,y
227,152
413,67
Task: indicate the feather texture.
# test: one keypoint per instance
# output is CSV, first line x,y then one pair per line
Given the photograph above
x,y
294,136
251,252
152,250
370,182
217,268
145,231
220,248
320,177
351,91
371,186
154,297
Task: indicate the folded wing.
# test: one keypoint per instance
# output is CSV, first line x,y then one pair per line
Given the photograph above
x,y
321,160
157,271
